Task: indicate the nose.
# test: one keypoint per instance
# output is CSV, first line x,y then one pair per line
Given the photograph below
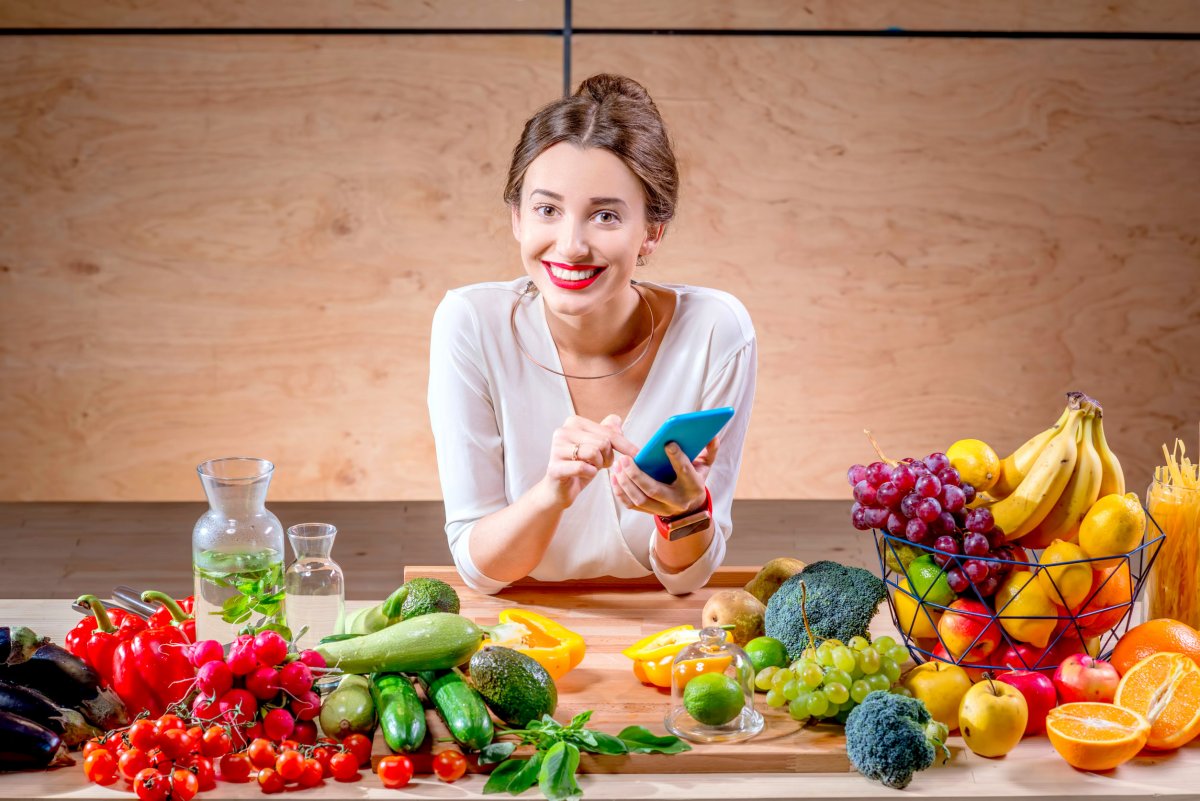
x,y
572,242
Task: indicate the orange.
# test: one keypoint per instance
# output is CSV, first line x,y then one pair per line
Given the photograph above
x,y
1163,634
1165,689
1093,736
1111,587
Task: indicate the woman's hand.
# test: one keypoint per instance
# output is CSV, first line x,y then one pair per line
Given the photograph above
x,y
580,449
636,490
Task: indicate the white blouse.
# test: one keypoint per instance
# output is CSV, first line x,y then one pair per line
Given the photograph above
x,y
494,413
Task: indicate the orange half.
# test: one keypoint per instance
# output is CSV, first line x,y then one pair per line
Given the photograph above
x,y
1094,736
1165,689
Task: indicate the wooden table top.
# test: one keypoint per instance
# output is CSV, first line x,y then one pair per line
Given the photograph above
x,y
1032,770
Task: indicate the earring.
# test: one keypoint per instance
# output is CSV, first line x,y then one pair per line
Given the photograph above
x,y
641,261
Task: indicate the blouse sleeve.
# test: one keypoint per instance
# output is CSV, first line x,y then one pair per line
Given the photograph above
x,y
467,438
732,385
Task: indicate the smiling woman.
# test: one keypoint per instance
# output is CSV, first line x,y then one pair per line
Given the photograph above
x,y
543,384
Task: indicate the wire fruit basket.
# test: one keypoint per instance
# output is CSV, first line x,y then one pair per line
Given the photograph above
x,y
980,636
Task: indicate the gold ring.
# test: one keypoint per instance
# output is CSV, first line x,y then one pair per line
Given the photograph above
x,y
575,453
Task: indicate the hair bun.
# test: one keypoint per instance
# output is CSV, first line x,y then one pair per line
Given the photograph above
x,y
604,85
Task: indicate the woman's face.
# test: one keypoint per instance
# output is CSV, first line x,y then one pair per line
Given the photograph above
x,y
582,225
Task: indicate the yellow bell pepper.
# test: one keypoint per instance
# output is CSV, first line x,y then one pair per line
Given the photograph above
x,y
550,644
653,657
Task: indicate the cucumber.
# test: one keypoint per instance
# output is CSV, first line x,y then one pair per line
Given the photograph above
x,y
349,709
401,715
460,706
429,642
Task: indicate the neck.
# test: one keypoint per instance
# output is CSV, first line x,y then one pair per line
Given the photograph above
x,y
609,333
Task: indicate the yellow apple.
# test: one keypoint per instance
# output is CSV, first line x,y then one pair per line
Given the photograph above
x,y
992,718
941,686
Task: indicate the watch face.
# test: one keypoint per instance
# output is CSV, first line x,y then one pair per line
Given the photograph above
x,y
686,526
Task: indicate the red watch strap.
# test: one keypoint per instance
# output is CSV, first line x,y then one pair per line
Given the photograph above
x,y
663,523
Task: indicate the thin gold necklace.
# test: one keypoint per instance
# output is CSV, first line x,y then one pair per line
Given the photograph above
x,y
512,321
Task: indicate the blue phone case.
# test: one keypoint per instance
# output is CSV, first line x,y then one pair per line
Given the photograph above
x,y
691,432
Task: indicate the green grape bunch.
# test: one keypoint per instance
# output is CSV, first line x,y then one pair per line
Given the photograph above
x,y
827,682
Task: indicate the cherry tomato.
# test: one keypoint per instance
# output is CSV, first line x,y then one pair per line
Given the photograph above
x,y
150,785
170,721
202,766
115,741
323,753
235,768
174,743
289,765
344,766
216,742
159,760
133,762
270,781
195,739
100,767
94,744
184,785
360,746
449,766
312,774
395,771
262,753
143,734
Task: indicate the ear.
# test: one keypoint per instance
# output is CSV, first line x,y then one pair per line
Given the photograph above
x,y
516,222
654,235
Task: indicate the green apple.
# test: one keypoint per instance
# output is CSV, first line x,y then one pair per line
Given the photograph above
x,y
992,718
941,686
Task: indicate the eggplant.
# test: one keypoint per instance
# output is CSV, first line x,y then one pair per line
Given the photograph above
x,y
33,705
25,745
61,676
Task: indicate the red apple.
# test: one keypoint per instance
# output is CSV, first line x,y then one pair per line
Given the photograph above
x,y
968,624
1082,678
1039,693
1023,656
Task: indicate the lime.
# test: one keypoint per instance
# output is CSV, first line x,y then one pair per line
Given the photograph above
x,y
713,699
929,582
766,652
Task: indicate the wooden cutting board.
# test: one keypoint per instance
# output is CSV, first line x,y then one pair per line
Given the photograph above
x,y
611,614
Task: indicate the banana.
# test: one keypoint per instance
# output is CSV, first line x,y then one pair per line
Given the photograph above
x,y
1082,490
1042,486
1014,466
1113,480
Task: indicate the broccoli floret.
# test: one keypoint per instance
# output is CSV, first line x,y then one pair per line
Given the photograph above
x,y
423,596
890,737
840,602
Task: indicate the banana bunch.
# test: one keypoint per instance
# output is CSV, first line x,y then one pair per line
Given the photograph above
x,y
1047,485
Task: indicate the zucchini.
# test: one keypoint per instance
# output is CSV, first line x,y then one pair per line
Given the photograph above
x,y
401,715
460,705
430,642
349,709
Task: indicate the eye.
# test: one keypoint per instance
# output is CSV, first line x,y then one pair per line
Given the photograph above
x,y
543,210
607,217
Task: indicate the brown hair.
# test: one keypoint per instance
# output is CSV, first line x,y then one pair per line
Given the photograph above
x,y
610,112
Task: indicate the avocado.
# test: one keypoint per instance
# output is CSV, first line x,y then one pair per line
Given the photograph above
x,y
514,686
428,595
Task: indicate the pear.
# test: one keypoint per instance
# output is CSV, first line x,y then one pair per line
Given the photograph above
x,y
736,608
772,574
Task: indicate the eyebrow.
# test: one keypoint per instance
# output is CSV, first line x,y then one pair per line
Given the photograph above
x,y
598,201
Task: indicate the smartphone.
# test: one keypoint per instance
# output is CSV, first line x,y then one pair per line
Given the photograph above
x,y
691,432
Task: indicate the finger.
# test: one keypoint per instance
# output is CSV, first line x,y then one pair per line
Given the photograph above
x,y
614,438
595,453
620,495
637,497
709,455
647,493
567,469
685,472
613,421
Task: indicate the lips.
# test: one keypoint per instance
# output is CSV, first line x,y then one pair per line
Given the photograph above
x,y
572,276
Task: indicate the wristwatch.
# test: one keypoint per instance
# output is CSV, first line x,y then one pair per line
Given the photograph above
x,y
686,524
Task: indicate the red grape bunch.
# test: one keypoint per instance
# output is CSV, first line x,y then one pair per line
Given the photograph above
x,y
925,501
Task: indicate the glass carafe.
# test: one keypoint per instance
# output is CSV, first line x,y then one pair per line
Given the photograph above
x,y
237,550
1174,586
712,692
315,587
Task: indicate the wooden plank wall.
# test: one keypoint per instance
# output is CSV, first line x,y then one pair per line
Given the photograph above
x,y
216,243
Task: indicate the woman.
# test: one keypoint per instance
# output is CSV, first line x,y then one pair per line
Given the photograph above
x,y
542,389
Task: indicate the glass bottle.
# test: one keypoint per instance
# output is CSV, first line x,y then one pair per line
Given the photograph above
x,y
237,550
723,698
1174,587
316,589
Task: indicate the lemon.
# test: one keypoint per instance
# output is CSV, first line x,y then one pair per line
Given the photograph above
x,y
766,652
915,621
977,464
713,699
929,582
1024,609
1112,528
1066,585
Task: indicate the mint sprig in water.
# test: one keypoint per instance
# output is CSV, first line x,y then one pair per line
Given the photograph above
x,y
556,759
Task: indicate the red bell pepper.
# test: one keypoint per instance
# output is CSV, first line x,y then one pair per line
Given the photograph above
x,y
173,613
151,670
94,639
